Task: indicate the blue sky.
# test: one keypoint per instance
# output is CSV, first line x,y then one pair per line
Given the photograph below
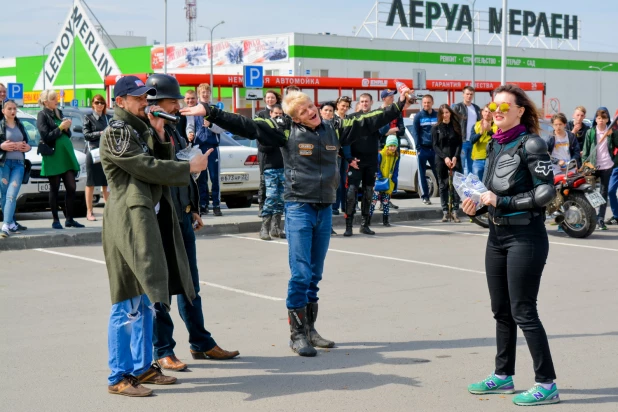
x,y
31,21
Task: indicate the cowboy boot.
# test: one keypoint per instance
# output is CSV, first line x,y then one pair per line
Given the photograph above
x,y
298,332
364,229
314,337
265,227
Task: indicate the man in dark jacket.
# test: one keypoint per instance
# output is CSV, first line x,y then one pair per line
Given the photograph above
x,y
469,113
186,206
309,147
362,158
577,125
421,132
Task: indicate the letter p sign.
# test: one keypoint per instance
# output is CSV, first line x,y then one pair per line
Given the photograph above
x,y
253,77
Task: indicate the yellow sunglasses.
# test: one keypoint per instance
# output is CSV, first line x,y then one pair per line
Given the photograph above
x,y
502,107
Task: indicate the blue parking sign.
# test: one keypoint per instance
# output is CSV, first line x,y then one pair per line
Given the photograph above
x,y
15,91
253,77
74,102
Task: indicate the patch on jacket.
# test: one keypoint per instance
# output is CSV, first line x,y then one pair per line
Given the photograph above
x,y
305,146
117,124
331,147
306,152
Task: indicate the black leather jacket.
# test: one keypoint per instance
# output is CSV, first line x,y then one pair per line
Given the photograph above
x,y
186,197
309,155
462,112
521,175
47,127
93,129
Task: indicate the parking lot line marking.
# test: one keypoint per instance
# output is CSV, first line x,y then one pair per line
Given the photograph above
x,y
429,229
372,256
244,292
214,285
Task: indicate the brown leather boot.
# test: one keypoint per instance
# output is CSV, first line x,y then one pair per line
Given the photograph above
x,y
215,353
155,376
129,386
172,363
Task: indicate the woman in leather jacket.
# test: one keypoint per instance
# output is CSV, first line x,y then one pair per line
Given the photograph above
x,y
519,178
62,164
310,147
94,125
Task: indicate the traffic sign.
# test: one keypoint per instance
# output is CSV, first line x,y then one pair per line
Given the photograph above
x,y
74,102
254,94
220,105
61,94
253,77
15,91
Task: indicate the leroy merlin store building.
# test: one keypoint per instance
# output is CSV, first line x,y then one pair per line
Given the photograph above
x,y
566,77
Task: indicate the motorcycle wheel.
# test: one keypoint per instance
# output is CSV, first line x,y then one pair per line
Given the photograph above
x,y
481,220
589,216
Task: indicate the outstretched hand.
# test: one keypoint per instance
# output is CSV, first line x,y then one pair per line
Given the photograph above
x,y
199,110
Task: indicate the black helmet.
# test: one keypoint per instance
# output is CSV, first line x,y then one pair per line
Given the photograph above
x,y
167,87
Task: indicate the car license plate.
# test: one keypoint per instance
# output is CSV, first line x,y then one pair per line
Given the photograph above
x,y
235,178
595,199
44,187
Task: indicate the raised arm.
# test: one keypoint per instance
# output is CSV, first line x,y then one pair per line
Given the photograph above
x,y
366,123
541,170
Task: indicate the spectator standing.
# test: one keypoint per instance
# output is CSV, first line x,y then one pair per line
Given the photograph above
x,y
468,113
562,145
188,133
58,157
13,146
422,125
94,125
342,105
274,180
2,99
577,125
600,149
447,143
388,167
483,130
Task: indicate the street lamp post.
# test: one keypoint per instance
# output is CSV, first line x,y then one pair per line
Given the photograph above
x,y
212,52
600,69
504,40
44,59
473,55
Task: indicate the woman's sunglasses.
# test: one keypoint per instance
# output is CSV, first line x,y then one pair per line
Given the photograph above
x,y
502,107
344,99
99,103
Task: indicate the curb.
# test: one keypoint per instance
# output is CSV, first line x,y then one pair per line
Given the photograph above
x,y
94,237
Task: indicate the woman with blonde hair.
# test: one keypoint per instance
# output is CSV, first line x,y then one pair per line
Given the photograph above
x,y
480,137
59,162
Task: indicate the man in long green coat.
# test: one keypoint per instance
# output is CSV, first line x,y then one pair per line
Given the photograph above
x,y
144,252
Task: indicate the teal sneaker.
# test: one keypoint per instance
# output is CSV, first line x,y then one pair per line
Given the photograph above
x,y
492,384
538,395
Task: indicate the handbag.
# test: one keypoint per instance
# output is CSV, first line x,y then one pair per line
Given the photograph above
x,y
27,168
44,149
383,185
96,155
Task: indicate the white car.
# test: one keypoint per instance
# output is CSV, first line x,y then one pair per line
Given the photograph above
x,y
34,195
240,173
408,165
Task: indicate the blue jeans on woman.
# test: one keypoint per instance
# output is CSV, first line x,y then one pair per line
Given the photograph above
x,y
308,232
478,168
129,338
613,187
12,174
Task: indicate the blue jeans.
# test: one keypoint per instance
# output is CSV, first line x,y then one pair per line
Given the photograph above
x,y
129,338
340,201
214,171
11,176
611,195
478,168
466,157
191,312
425,155
274,180
308,232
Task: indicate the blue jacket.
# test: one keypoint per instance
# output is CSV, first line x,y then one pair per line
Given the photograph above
x,y
204,136
421,128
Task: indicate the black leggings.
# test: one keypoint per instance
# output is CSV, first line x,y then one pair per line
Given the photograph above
x,y
68,178
514,263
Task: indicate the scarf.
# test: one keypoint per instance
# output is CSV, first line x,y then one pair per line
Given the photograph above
x,y
510,135
388,166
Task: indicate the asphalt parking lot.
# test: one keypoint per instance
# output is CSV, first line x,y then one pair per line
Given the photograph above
x,y
408,308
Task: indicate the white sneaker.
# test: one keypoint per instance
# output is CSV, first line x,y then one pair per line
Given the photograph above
x,y
5,231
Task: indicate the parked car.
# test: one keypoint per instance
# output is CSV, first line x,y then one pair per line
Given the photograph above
x,y
240,174
77,127
408,165
34,195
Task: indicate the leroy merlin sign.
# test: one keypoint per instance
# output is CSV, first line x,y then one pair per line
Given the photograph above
x,y
77,26
424,14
